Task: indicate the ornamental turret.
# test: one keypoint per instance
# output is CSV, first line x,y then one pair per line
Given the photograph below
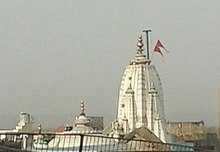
x,y
151,107
129,109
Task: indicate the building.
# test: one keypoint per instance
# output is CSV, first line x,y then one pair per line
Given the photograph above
x,y
81,123
140,102
24,125
96,122
187,131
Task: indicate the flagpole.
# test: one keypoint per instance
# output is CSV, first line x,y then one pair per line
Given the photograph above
x,y
147,39
218,115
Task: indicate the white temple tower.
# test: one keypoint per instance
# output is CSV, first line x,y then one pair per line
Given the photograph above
x,y
140,100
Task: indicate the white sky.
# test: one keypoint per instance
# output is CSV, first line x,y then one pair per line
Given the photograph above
x,y
54,54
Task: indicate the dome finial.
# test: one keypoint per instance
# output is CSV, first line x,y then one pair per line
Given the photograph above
x,y
140,45
82,107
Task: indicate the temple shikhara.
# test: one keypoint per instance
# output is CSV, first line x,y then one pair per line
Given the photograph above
x,y
140,102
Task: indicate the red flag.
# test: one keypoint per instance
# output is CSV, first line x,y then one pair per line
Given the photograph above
x,y
158,46
157,49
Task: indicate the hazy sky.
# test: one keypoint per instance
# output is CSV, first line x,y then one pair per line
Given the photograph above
x,y
54,54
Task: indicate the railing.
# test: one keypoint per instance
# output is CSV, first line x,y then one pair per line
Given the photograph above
x,y
48,142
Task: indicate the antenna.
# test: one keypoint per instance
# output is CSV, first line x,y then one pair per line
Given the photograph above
x,y
147,40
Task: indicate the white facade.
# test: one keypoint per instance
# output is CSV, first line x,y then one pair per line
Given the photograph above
x,y
140,100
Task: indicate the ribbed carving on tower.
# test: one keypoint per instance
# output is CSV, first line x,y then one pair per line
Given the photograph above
x,y
140,102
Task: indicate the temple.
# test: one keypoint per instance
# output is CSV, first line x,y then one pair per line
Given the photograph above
x,y
140,102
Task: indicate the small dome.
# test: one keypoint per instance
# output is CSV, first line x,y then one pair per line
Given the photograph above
x,y
82,116
82,122
82,129
82,119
